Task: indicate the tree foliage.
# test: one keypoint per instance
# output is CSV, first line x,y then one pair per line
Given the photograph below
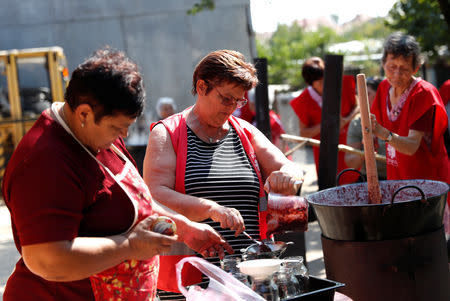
x,y
198,7
375,28
422,19
290,45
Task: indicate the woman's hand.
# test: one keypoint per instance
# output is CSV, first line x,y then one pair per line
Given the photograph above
x,y
203,239
377,129
229,218
345,120
145,243
407,145
283,183
287,180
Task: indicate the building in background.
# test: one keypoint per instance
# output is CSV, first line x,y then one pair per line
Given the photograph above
x,y
160,36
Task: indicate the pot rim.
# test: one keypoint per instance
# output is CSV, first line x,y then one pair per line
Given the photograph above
x,y
396,203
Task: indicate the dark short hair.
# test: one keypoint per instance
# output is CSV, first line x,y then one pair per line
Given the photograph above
x,y
399,44
373,82
313,69
224,66
109,82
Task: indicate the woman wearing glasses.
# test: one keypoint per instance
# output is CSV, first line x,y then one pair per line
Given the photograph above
x,y
211,166
409,115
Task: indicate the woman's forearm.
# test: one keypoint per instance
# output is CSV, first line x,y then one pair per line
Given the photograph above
x,y
354,160
76,259
310,132
194,208
406,145
84,256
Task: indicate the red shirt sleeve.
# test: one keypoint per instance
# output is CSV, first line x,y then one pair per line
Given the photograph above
x,y
43,211
425,122
300,109
444,91
348,97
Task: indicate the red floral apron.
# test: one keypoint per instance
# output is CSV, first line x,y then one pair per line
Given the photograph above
x,y
131,280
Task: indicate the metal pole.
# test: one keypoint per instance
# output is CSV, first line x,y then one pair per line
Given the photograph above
x,y
262,98
329,129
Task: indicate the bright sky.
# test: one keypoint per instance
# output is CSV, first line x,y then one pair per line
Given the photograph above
x,y
266,14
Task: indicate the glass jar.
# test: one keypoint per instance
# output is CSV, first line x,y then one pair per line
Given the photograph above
x,y
286,213
265,287
286,282
298,270
229,264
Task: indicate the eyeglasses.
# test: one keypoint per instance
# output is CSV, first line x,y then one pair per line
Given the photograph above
x,y
401,70
228,101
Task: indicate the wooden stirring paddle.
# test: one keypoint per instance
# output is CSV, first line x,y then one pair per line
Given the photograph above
x,y
369,154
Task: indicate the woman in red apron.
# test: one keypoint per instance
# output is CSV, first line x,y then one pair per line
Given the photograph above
x,y
308,108
410,117
81,214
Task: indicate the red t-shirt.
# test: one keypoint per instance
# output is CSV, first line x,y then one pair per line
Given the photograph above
x,y
56,191
423,105
310,114
444,91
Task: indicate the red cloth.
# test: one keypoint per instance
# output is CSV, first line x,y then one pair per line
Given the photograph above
x,y
245,113
276,127
56,191
444,91
177,128
430,161
131,280
310,114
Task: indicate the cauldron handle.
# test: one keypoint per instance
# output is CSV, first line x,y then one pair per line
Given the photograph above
x,y
349,169
423,200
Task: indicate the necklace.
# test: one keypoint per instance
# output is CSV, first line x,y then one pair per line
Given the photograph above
x,y
211,139
216,137
200,128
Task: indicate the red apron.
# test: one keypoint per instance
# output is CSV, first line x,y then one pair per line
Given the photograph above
x,y
131,280
430,161
309,112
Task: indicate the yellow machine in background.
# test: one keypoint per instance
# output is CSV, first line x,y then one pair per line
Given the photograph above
x,y
30,80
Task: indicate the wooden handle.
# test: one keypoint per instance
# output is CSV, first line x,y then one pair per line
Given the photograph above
x,y
371,167
341,147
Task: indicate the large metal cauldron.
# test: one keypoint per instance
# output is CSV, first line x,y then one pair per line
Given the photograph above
x,y
408,208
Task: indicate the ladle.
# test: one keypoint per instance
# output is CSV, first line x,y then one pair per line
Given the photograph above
x,y
248,235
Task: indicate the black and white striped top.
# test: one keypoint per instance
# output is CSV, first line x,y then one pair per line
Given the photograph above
x,y
223,173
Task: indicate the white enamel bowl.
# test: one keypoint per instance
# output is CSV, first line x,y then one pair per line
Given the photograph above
x,y
260,268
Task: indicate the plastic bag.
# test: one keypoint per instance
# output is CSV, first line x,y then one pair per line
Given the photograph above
x,y
222,286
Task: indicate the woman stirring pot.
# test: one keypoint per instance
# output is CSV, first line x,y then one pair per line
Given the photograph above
x,y
211,166
409,116
81,214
